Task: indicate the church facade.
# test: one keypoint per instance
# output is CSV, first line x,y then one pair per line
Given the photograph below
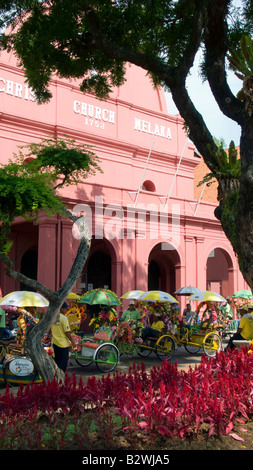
x,y
151,226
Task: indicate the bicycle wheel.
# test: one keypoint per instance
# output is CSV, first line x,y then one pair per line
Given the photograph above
x,y
212,344
85,357
106,357
165,347
192,349
144,352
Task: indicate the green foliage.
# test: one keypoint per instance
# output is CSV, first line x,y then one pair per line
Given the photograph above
x,y
228,165
28,185
242,62
228,168
154,29
24,193
61,158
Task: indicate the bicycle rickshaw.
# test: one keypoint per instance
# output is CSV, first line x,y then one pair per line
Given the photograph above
x,y
99,349
193,339
15,367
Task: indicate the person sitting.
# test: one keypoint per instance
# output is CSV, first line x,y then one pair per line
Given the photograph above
x,y
245,328
189,315
156,327
131,313
207,322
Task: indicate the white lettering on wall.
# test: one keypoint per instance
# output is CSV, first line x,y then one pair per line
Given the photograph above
x,y
94,115
154,129
18,90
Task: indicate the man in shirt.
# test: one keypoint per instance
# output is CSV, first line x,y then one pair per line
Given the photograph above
x,y
131,313
61,339
156,327
226,310
189,315
245,328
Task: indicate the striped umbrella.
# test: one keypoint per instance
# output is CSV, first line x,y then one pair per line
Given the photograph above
x,y
100,297
158,296
24,298
132,294
207,296
188,290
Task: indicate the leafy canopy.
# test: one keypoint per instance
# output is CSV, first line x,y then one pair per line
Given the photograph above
x,y
93,40
28,183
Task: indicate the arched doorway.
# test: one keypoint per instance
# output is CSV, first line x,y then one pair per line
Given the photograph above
x,y
162,268
99,270
219,272
29,266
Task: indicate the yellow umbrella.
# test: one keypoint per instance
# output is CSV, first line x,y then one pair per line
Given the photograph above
x,y
73,296
132,294
24,298
207,296
158,296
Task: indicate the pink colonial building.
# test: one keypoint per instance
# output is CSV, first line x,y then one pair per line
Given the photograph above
x,y
151,226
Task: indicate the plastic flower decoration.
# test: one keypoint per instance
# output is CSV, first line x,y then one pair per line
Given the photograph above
x,y
108,316
128,336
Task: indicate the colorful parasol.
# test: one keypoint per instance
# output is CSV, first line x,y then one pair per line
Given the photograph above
x,y
242,294
73,296
158,296
24,298
100,297
207,296
132,294
188,290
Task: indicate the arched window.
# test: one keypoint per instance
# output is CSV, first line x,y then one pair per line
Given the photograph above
x,y
148,186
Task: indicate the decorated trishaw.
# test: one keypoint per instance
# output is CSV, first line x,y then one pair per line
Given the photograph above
x,y
15,366
204,334
99,348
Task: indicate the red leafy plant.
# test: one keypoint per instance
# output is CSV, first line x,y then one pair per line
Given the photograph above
x,y
161,402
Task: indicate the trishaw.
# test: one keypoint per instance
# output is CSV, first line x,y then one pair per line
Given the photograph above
x,y
163,346
99,349
193,339
15,367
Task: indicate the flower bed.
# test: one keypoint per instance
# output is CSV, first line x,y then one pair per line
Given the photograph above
x,y
164,402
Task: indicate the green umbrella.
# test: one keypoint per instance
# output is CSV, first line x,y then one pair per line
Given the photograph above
x,y
242,294
100,297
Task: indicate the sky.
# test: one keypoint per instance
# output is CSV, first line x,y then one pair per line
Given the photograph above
x,y
218,124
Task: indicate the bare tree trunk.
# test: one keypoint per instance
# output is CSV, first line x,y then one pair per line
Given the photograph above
x,y
33,346
43,362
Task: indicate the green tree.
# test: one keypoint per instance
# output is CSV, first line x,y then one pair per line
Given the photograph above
x,y
28,187
163,37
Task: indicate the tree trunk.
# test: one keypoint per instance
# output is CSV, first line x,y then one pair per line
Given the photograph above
x,y
43,362
33,346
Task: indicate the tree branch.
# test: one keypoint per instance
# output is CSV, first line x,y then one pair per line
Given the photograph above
x,y
32,283
216,42
173,78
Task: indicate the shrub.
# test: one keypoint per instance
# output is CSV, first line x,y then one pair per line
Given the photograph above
x,y
162,402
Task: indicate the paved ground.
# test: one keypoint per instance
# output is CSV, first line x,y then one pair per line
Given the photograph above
x,y
182,357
